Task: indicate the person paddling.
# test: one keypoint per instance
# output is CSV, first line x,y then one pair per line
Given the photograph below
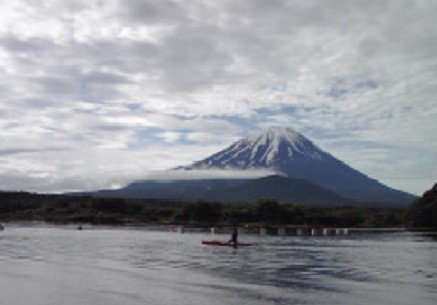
x,y
234,238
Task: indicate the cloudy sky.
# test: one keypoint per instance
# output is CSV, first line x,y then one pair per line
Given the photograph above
x,y
97,93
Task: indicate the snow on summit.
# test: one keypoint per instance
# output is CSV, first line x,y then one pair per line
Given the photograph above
x,y
275,138
270,148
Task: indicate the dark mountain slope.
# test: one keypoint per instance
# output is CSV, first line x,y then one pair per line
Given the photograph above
x,y
284,190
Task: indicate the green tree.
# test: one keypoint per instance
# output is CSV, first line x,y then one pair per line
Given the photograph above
x,y
423,212
203,212
270,212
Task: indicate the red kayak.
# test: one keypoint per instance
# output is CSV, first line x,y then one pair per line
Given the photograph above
x,y
226,243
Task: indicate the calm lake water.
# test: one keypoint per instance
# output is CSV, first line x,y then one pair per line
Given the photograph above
x,y
63,266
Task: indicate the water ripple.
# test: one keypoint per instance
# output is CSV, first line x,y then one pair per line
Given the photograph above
x,y
289,270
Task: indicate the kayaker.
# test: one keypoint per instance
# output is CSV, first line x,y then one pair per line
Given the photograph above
x,y
234,238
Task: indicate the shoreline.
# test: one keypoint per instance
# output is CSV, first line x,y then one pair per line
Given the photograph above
x,y
290,230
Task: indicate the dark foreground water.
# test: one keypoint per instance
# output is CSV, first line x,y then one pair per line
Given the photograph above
x,y
63,266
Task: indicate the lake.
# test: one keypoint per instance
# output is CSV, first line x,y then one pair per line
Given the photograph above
x,y
59,265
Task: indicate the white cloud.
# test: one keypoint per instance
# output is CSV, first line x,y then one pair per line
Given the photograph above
x,y
171,136
206,174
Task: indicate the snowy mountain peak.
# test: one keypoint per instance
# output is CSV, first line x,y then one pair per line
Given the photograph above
x,y
278,145
271,148
281,131
287,152
275,135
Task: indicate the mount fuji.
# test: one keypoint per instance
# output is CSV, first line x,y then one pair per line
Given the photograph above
x,y
300,172
290,154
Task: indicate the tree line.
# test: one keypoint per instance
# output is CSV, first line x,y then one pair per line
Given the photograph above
x,y
86,209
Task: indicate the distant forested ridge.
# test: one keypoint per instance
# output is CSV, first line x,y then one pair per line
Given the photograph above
x,y
422,214
16,206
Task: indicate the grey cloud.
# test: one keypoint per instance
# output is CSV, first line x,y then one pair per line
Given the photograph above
x,y
14,151
35,45
342,87
370,47
280,15
36,103
153,12
61,6
192,58
109,127
63,67
121,55
57,85
104,78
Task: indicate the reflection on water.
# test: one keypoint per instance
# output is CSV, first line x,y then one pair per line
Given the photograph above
x,y
113,266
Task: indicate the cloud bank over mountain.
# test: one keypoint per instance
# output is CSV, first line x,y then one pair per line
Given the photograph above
x,y
96,93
